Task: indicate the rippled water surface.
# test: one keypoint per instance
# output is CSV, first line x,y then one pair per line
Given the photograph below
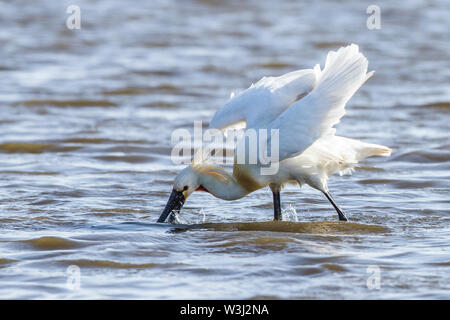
x,y
85,170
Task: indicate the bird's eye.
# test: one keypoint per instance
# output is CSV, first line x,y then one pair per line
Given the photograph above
x,y
185,188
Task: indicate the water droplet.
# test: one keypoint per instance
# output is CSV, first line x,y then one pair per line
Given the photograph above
x,y
290,214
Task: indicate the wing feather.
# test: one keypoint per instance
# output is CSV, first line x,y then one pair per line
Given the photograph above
x,y
314,116
262,102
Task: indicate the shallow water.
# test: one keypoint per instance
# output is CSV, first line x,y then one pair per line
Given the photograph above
x,y
85,168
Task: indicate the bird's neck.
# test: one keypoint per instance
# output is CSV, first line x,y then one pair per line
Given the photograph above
x,y
221,184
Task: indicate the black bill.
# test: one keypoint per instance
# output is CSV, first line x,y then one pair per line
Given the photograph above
x,y
175,203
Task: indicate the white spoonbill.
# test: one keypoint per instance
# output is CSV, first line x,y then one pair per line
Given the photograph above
x,y
303,106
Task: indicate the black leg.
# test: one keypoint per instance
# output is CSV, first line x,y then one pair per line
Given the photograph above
x,y
341,213
276,206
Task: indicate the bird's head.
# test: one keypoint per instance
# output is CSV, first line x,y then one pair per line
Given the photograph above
x,y
186,182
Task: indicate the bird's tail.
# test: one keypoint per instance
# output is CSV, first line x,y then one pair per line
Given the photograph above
x,y
357,151
339,154
371,150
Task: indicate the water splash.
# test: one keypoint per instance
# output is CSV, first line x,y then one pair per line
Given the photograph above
x,y
189,218
178,219
289,214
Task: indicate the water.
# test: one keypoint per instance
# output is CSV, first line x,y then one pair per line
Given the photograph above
x,y
85,170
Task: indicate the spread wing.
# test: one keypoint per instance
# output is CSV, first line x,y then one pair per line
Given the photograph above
x,y
315,115
264,101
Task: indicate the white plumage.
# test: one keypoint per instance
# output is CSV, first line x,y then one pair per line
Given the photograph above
x,y
303,106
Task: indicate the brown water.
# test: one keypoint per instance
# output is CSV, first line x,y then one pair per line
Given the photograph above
x,y
85,170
